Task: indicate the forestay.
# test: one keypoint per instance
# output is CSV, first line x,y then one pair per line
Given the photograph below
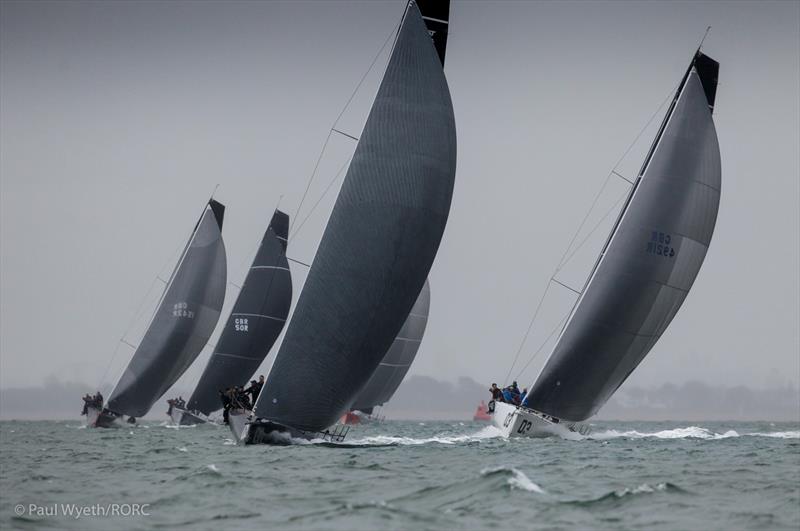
x,y
378,246
395,364
184,319
649,262
256,321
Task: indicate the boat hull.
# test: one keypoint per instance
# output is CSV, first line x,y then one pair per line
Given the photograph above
x,y
248,429
517,421
100,418
184,417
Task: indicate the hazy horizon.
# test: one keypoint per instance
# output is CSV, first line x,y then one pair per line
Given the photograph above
x,y
118,120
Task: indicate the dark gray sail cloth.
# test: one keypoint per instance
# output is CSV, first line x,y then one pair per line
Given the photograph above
x,y
378,246
395,364
183,322
255,322
649,263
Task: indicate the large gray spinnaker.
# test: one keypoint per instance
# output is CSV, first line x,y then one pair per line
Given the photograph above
x,y
184,320
255,322
649,262
378,246
395,364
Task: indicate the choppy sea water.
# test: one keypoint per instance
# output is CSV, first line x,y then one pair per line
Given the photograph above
x,y
402,475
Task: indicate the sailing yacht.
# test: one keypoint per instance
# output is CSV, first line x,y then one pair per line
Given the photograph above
x,y
643,274
253,326
184,319
377,248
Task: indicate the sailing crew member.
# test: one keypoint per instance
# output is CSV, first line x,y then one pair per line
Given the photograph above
x,y
497,394
87,399
224,396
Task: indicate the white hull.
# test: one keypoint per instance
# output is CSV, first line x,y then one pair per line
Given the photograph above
x,y
183,417
92,414
516,421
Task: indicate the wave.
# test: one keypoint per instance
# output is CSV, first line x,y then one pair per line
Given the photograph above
x,y
488,432
517,479
617,496
778,434
690,432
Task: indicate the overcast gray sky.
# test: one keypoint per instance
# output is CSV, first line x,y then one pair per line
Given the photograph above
x,y
118,119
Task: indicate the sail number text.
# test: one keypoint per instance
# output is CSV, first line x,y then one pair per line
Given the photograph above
x,y
240,324
181,309
659,244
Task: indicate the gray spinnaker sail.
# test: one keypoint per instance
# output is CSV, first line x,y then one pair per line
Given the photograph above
x,y
255,322
398,359
378,246
184,319
648,264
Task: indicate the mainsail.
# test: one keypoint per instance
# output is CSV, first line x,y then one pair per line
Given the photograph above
x,y
255,322
649,261
395,364
184,319
379,244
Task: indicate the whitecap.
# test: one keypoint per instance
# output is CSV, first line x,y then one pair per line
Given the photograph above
x,y
212,467
644,488
690,432
488,432
181,448
778,434
518,479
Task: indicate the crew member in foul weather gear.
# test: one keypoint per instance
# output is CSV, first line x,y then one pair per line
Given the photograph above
x,y
87,399
497,394
224,396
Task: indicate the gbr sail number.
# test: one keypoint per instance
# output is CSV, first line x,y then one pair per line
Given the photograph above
x,y
240,324
659,244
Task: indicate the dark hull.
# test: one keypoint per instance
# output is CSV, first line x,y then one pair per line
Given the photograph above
x,y
249,430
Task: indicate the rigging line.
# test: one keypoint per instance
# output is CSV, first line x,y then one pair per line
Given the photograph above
x,y
704,38
324,193
561,263
298,262
136,316
344,134
564,285
528,331
615,172
591,232
336,122
539,350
